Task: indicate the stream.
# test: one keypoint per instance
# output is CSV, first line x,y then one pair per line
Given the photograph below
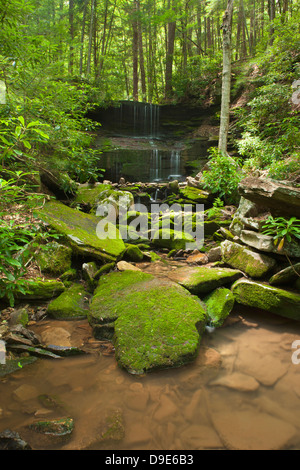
x,y
203,405
241,392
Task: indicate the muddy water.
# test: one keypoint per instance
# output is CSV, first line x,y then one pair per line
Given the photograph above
x,y
242,392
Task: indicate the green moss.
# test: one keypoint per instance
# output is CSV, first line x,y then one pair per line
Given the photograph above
x,y
266,297
104,308
54,258
39,289
13,365
80,231
202,280
89,194
172,239
256,265
54,427
69,275
133,253
160,327
194,194
70,304
219,304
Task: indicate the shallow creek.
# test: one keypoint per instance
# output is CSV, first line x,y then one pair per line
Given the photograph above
x,y
204,405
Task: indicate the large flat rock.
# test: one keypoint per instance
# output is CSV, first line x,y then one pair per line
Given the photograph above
x,y
202,279
157,323
80,231
263,296
280,198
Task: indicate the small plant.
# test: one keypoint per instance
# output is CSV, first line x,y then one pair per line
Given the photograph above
x,y
223,175
282,230
215,211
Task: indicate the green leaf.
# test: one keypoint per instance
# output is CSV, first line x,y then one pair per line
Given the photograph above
x,y
22,121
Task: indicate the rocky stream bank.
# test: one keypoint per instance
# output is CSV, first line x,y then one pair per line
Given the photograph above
x,y
148,300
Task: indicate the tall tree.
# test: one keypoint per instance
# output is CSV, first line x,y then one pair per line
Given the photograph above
x,y
226,77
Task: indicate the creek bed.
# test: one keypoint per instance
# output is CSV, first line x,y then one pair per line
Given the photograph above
x,y
204,405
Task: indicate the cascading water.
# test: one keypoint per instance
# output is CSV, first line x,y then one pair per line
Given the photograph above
x,y
142,119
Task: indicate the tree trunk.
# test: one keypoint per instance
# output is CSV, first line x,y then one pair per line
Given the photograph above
x,y
71,30
226,77
88,68
82,37
135,53
169,58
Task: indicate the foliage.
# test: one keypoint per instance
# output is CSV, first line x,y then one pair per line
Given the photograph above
x,y
282,230
215,211
223,175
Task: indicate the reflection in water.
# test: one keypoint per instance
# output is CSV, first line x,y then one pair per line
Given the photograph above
x,y
241,393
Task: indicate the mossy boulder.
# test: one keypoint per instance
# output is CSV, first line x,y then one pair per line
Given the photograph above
x,y
202,279
54,258
286,276
40,289
81,232
219,304
172,239
133,253
156,323
254,264
104,306
194,194
120,201
90,193
263,296
71,304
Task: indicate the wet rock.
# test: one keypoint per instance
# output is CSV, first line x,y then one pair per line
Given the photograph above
x,y
219,304
81,232
133,253
89,271
10,440
265,243
71,304
286,276
125,266
59,427
54,258
14,365
146,312
254,264
172,239
214,254
39,352
202,280
58,336
237,381
19,316
39,289
113,427
113,203
198,258
24,393
200,436
247,430
266,297
89,193
280,198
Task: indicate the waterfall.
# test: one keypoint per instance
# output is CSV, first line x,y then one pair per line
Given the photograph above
x,y
143,118
175,162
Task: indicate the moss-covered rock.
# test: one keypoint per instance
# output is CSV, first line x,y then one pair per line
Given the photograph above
x,y
172,239
156,323
121,201
202,279
71,304
54,427
286,276
81,232
104,306
54,258
263,296
40,289
254,264
194,194
219,304
133,253
90,193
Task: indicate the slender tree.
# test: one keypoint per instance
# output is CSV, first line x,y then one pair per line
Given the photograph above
x,y
226,77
